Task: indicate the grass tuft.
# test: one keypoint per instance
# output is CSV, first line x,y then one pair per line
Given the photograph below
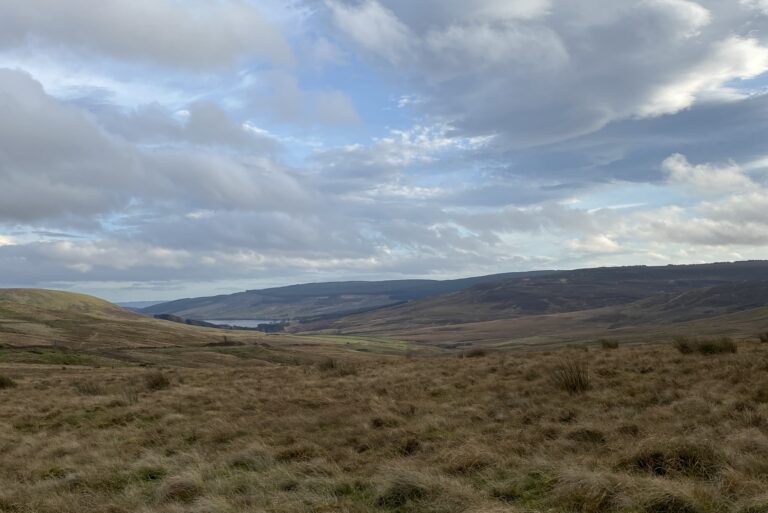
x,y
180,489
252,460
88,388
585,492
6,382
722,345
475,352
670,503
571,375
151,473
690,458
587,436
156,380
399,492
336,367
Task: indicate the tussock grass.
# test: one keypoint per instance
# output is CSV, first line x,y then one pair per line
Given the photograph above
x,y
156,380
571,375
475,352
400,491
722,345
609,343
587,435
658,432
670,502
180,489
337,367
756,505
6,382
691,458
587,492
88,388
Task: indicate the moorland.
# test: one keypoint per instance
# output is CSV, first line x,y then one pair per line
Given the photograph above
x,y
654,402
599,429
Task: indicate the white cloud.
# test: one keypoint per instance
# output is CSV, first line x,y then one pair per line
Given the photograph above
x,y
688,17
195,34
706,178
85,171
566,69
761,5
734,58
373,27
594,244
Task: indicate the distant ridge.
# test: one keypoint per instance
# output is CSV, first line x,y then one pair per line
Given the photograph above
x,y
318,300
572,291
137,305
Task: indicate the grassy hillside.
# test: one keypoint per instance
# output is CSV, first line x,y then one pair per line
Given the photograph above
x,y
313,300
647,430
573,291
76,321
63,328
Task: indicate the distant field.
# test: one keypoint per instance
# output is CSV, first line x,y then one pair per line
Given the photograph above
x,y
656,431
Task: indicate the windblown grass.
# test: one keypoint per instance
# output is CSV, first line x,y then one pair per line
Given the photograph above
x,y
654,431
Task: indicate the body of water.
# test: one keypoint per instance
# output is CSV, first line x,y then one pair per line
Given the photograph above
x,y
241,323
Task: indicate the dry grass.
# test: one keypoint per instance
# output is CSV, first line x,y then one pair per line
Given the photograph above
x,y
656,431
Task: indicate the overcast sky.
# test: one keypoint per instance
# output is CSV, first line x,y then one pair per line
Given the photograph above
x,y
155,149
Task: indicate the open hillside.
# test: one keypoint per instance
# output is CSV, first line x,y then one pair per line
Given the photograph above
x,y
619,297
56,318
317,300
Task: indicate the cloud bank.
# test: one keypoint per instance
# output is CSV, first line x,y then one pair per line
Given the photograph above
x,y
188,147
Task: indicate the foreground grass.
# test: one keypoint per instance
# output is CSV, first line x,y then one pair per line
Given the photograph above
x,y
654,431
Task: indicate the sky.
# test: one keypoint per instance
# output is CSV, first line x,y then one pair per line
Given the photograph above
x,y
157,149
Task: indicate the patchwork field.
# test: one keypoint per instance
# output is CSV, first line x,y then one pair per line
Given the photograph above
x,y
631,429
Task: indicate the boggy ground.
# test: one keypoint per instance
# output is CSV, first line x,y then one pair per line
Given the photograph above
x,y
657,431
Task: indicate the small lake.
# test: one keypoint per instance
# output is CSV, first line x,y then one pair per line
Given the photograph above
x,y
240,323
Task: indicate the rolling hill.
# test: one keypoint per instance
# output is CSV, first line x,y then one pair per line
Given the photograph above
x,y
55,327
48,317
585,301
318,300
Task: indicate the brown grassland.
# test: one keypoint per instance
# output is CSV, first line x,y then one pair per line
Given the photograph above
x,y
601,429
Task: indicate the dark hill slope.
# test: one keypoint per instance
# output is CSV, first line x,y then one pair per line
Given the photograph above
x,y
690,305
558,292
313,300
